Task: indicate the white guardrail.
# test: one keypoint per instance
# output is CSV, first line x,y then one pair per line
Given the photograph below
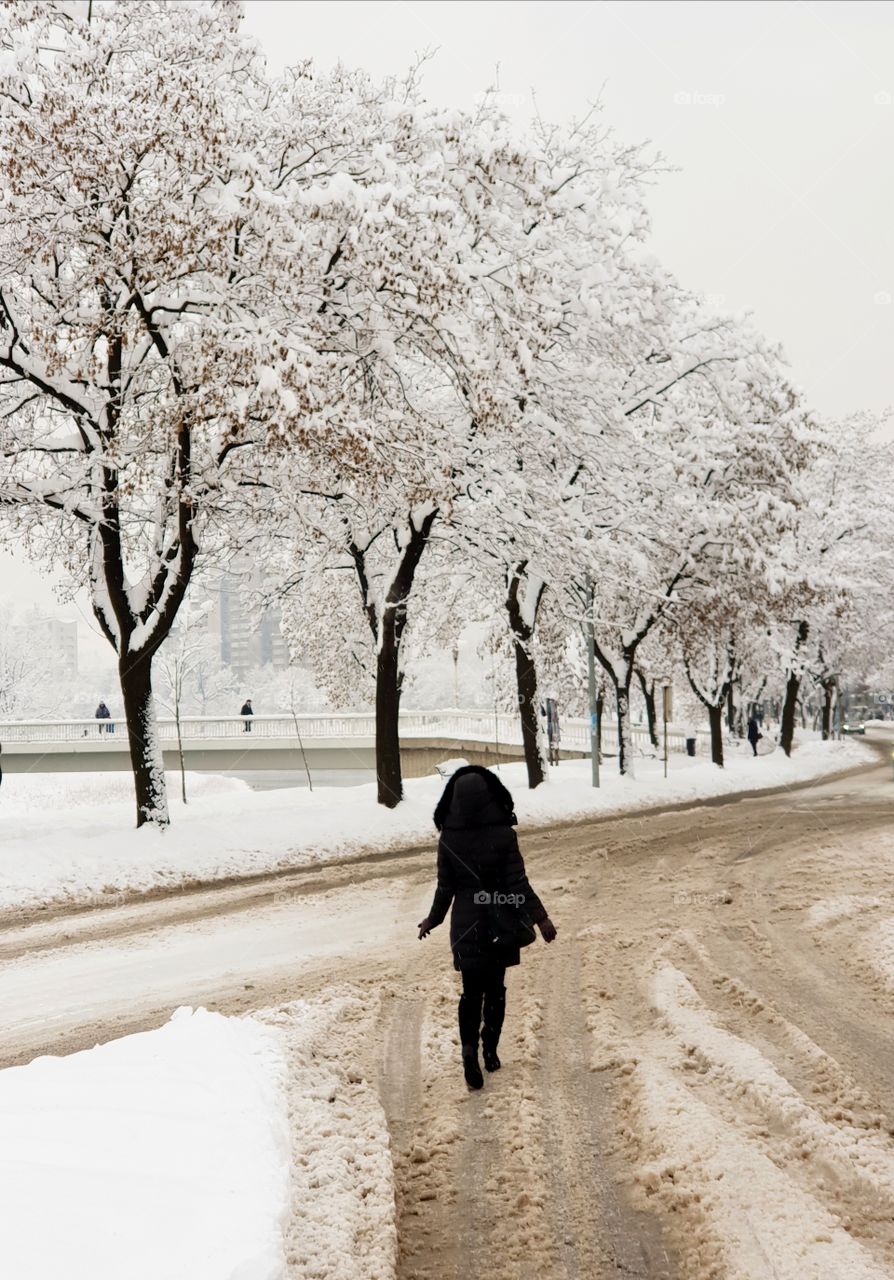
x,y
478,725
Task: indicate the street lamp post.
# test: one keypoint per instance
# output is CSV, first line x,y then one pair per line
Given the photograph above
x,y
591,681
836,714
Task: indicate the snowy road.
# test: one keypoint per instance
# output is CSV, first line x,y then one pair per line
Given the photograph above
x,y
697,1075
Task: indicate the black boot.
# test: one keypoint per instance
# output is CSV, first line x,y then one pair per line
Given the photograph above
x,y
494,1010
469,1027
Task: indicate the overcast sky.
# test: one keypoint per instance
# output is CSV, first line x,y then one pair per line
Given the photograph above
x,y
778,117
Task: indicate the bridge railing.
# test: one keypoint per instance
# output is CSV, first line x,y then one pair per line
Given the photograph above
x,y
505,727
487,726
338,725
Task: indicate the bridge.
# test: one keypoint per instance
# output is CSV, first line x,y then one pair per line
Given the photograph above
x,y
338,740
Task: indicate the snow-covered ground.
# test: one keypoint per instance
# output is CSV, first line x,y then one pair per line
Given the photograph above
x,y
341,1224
756,1108
756,1218
71,836
729,994
211,1149
161,1154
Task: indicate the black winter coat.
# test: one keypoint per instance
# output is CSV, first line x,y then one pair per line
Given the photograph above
x,y
478,853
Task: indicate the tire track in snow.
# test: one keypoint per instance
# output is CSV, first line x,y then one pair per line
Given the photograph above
x,y
602,1233
848,1170
420,1085
752,1015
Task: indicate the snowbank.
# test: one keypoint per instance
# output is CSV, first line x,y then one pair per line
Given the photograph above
x,y
161,1154
54,848
26,794
342,1223
211,1149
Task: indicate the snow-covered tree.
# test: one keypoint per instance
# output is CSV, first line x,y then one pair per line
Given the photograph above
x,y
564,374
707,630
132,295
425,287
843,531
711,473
179,662
30,687
213,685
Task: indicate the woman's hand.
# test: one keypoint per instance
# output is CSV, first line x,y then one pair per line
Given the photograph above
x,y
424,928
548,930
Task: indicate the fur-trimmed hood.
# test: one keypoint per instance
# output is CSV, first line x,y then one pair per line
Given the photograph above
x,y
474,797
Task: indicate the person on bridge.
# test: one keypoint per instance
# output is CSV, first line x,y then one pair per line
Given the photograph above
x,y
481,871
103,713
247,712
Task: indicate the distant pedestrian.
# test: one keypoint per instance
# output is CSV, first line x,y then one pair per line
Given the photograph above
x,y
247,712
481,871
754,733
553,732
103,713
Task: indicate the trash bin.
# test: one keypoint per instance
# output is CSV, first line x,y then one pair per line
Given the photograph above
x,y
690,746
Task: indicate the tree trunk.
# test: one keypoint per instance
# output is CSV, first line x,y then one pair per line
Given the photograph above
x,y
828,694
625,737
526,677
529,711
389,780
730,709
600,707
387,626
714,702
755,705
625,663
648,690
715,719
792,688
787,731
146,759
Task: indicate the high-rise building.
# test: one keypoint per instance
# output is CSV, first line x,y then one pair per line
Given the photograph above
x,y
248,635
56,637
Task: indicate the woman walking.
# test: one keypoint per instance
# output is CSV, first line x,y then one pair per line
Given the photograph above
x,y
481,871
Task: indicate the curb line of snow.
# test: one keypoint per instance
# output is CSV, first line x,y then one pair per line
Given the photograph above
x,y
94,862
341,1223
